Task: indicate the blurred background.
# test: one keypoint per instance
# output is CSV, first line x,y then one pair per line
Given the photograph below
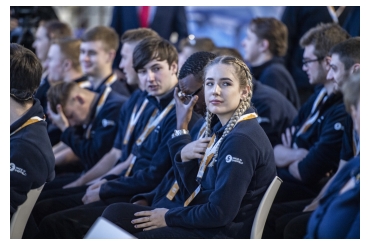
x,y
224,25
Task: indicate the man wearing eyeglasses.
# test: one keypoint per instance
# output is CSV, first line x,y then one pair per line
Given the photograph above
x,y
311,146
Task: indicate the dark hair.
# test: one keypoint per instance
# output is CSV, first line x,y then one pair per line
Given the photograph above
x,y
227,51
107,35
348,52
274,31
351,91
138,34
154,49
197,44
323,37
25,73
195,64
56,29
59,93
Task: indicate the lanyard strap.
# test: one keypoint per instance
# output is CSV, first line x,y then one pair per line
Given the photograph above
x,y
153,122
315,111
208,156
149,128
111,79
133,120
84,84
100,105
355,143
30,121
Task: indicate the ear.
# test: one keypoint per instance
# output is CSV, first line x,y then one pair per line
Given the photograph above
x,y
245,92
326,62
79,99
173,68
264,45
355,68
67,64
111,55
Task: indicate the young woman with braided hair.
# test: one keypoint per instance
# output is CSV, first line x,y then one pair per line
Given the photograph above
x,y
223,179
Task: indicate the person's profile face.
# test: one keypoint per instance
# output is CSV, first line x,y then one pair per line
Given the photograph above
x,y
75,112
41,43
55,64
157,76
93,57
337,71
126,65
313,66
251,47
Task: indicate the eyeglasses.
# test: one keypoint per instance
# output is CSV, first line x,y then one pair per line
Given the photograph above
x,y
305,62
188,97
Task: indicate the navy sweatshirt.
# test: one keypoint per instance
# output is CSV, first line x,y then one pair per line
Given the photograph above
x,y
338,215
103,131
274,73
118,86
323,139
232,188
347,151
157,197
275,112
152,157
31,157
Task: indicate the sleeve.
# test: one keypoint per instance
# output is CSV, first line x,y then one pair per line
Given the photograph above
x,y
346,152
146,179
90,151
29,169
354,232
323,156
221,208
124,117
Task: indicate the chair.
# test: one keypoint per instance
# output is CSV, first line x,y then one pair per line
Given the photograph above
x,y
105,229
264,208
20,217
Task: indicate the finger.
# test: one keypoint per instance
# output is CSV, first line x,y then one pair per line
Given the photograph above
x,y
283,139
59,109
293,130
141,220
150,228
175,94
193,101
143,213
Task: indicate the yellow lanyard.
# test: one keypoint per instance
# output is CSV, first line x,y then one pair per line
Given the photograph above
x,y
149,128
30,121
133,120
110,80
100,105
208,156
84,84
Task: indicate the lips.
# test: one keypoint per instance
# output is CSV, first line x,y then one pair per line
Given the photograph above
x,y
214,102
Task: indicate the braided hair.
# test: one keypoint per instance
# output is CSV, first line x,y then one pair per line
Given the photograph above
x,y
242,72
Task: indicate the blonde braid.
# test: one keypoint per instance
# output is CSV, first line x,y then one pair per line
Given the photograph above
x,y
208,125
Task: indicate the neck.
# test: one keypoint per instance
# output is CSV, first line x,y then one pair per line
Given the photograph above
x,y
17,110
174,83
98,79
72,76
329,86
263,58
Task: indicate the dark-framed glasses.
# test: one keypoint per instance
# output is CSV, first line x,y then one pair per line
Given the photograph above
x,y
306,61
188,97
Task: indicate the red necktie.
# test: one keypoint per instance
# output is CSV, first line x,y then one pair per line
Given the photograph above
x,y
144,16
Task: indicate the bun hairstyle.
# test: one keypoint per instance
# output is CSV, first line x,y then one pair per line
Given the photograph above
x,y
243,73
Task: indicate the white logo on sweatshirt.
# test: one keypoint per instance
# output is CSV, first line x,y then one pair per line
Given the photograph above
x,y
14,168
229,159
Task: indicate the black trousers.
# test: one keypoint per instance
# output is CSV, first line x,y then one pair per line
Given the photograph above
x,y
297,227
280,215
121,214
73,222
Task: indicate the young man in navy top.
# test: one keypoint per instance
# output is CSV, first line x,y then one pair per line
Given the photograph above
x,y
31,155
265,46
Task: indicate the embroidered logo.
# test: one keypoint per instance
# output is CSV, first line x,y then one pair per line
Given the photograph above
x,y
229,159
338,126
14,168
106,122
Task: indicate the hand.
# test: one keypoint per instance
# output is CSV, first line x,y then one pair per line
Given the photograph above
x,y
141,202
183,111
287,137
75,183
152,219
59,119
195,149
92,192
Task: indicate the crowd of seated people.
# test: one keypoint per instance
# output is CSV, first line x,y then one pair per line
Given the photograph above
x,y
187,142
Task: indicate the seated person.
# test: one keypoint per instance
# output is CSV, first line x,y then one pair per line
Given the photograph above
x,y
31,155
338,213
88,121
216,205
265,45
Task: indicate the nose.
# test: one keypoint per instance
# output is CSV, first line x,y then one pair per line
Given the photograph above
x,y
121,64
330,76
150,76
216,90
